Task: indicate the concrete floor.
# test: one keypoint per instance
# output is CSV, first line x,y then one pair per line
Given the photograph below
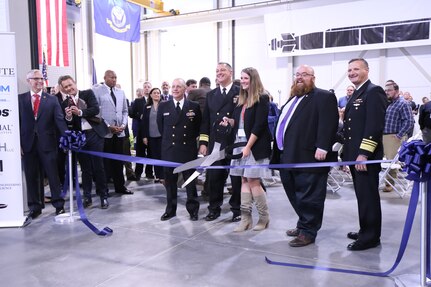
x,y
144,251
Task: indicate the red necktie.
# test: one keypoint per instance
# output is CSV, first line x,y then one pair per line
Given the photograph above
x,y
36,104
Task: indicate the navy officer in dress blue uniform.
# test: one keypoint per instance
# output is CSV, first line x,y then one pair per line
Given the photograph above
x,y
220,103
364,121
179,121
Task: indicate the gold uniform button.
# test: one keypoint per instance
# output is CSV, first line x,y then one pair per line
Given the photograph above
x,y
184,142
173,135
218,113
350,138
185,135
350,119
173,127
173,143
349,129
185,127
227,113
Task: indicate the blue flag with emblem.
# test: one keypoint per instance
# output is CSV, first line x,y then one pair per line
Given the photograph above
x,y
117,19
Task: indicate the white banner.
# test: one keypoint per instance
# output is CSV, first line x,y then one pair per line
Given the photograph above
x,y
351,26
11,189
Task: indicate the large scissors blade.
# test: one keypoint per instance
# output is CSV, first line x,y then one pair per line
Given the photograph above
x,y
208,160
191,178
215,155
189,165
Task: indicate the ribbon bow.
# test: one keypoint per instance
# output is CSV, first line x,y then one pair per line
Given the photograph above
x,y
72,140
417,158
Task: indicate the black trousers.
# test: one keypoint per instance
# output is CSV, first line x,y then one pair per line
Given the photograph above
x,y
306,192
35,162
366,184
142,151
155,152
216,180
92,166
114,168
192,204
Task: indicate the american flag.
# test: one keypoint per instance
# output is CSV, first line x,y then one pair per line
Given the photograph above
x,y
52,32
44,71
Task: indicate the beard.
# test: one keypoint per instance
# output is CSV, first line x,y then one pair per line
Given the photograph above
x,y
301,89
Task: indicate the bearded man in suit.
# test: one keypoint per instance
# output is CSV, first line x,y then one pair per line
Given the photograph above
x,y
305,133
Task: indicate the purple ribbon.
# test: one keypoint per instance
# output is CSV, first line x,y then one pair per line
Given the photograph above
x,y
417,158
74,141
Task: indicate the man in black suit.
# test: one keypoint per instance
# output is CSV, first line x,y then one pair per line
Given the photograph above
x,y
81,110
41,119
364,122
220,103
137,110
179,122
305,133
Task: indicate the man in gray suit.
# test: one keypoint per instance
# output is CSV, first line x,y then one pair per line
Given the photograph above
x,y
113,110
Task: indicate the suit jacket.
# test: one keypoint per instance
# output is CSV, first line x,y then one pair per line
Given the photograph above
x,y
179,131
217,107
90,111
199,96
136,111
364,121
313,125
116,115
256,122
49,122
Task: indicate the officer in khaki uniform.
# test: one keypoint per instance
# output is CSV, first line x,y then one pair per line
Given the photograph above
x,y
363,131
179,121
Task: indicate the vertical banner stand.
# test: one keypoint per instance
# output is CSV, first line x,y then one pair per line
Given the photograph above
x,y
70,216
421,280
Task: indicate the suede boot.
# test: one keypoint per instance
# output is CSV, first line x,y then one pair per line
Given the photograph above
x,y
246,219
262,209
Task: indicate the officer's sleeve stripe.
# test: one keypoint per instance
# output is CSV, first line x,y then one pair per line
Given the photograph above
x,y
368,145
203,138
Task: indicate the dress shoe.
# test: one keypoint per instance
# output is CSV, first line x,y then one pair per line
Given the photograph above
x,y
292,232
360,245
167,216
104,204
212,216
87,202
301,240
59,210
353,235
34,213
124,191
194,216
236,217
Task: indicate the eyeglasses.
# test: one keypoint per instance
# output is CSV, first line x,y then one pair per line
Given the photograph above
x,y
36,79
303,75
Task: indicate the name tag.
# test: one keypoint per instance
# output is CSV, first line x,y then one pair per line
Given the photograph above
x,y
166,114
241,133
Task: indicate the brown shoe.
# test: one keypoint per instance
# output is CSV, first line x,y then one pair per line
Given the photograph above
x,y
301,240
292,232
388,188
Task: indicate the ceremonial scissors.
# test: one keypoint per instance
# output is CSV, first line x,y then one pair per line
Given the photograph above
x,y
208,160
